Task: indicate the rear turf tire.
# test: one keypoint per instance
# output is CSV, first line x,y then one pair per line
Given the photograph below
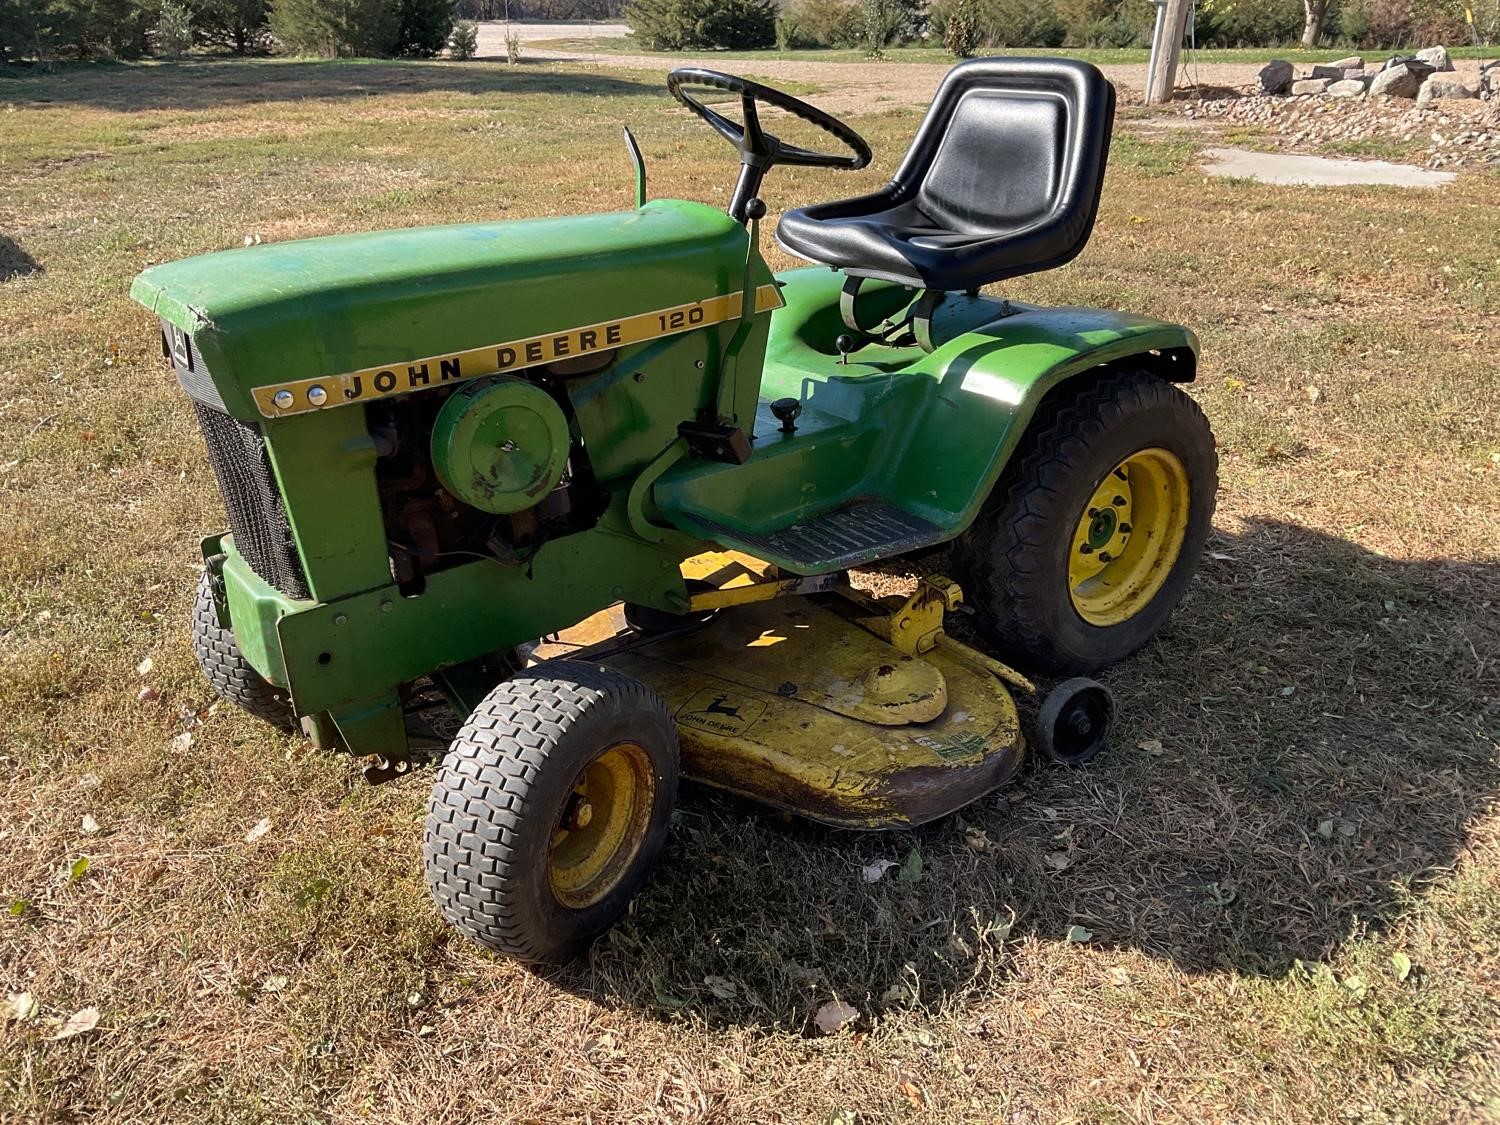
x,y
510,860
1018,562
233,677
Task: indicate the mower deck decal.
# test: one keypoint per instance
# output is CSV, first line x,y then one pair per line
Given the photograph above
x,y
721,712
280,400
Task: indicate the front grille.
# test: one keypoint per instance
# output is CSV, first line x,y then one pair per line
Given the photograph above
x,y
247,482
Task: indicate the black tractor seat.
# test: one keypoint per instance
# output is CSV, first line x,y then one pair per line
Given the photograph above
x,y
1002,179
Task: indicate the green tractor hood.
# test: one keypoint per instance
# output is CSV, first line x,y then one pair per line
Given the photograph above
x,y
324,306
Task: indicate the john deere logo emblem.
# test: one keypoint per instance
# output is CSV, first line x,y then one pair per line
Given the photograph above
x,y
720,712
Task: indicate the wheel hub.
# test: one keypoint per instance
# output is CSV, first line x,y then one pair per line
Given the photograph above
x,y
601,825
1128,537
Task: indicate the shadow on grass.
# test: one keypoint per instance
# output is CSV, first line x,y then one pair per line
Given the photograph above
x,y
14,261
211,84
1298,755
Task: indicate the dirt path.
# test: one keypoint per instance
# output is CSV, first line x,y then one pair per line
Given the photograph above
x,y
849,87
845,87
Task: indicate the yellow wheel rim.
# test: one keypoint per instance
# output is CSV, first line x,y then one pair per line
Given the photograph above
x,y
601,826
1128,537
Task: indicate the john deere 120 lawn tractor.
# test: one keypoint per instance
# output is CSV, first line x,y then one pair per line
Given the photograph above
x,y
596,483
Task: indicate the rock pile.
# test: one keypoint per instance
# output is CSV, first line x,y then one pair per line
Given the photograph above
x,y
1448,135
1411,76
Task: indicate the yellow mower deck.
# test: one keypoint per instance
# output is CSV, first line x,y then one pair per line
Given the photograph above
x,y
802,705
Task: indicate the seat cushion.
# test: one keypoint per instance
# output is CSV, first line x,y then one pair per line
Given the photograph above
x,y
1002,179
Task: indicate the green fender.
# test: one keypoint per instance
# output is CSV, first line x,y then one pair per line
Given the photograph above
x,y
926,432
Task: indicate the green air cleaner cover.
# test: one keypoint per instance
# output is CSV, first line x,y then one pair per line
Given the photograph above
x,y
500,446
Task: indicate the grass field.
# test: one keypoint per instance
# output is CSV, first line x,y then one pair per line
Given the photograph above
x,y
1287,869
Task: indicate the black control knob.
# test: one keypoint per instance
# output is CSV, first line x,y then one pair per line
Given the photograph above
x,y
787,411
845,345
755,209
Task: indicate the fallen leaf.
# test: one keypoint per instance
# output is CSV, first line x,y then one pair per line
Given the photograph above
x,y
911,870
1079,934
90,781
76,869
913,1093
1325,828
182,741
896,994
1356,985
1314,395
262,826
274,983
926,1038
722,987
842,1117
90,825
144,667
874,872
1402,963
1220,556
1059,861
81,1021
834,1016
147,694
1152,746
19,1005
1119,977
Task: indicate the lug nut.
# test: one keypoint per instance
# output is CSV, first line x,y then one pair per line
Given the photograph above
x,y
1105,556
1085,550
1118,501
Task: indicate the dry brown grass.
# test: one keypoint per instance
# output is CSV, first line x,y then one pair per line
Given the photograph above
x,y
1301,786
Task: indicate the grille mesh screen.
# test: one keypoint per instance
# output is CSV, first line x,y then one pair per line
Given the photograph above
x,y
257,520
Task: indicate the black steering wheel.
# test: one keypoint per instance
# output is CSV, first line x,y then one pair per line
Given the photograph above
x,y
759,150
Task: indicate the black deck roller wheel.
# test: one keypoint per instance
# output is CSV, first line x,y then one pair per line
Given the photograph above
x,y
1072,726
233,678
550,809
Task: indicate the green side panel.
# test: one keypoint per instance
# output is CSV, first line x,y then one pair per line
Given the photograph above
x,y
926,432
336,655
324,306
325,464
255,607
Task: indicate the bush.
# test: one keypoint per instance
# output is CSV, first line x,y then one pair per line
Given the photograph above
x,y
826,23
343,28
961,30
1010,23
678,25
1249,23
236,25
174,30
422,27
463,40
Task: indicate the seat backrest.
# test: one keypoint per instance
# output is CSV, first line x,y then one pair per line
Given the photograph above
x,y
1011,143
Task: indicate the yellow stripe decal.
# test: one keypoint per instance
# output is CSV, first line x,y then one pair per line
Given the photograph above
x,y
280,400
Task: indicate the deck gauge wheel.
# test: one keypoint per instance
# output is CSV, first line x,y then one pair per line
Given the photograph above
x,y
1072,726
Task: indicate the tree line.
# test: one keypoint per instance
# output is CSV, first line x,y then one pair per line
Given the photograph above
x,y
83,29
876,24
45,30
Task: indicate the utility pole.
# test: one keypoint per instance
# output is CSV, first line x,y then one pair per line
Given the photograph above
x,y
1166,47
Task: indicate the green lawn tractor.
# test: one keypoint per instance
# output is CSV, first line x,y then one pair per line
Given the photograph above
x,y
591,489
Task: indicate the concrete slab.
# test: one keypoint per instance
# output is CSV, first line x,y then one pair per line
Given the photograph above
x,y
1293,168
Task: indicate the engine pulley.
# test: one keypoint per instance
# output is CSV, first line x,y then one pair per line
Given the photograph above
x,y
500,445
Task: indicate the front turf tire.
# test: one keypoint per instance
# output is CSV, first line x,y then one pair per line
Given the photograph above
x,y
550,809
1029,563
234,679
